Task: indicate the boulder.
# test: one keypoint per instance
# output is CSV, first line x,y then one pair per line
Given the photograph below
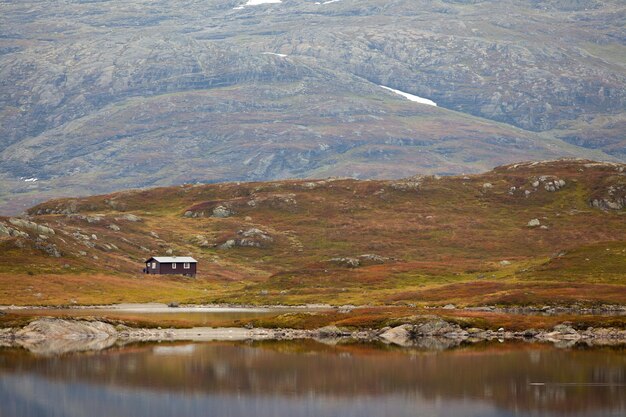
x,y
409,184
44,230
129,217
221,212
534,223
345,309
530,333
564,329
50,249
611,202
436,327
401,335
253,237
252,232
255,233
371,258
230,243
283,202
54,328
331,331
79,236
347,262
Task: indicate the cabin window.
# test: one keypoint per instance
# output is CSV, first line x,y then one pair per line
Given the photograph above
x,y
153,265
173,266
186,265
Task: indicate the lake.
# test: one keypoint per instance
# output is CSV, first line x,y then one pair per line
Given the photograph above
x,y
308,378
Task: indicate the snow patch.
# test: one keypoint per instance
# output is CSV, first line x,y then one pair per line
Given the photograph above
x,y
31,179
411,96
274,53
256,3
327,2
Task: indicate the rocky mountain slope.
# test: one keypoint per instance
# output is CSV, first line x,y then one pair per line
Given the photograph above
x,y
98,96
524,234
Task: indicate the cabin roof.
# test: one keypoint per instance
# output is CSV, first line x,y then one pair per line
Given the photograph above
x,y
173,259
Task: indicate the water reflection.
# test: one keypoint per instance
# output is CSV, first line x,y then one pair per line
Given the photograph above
x,y
308,378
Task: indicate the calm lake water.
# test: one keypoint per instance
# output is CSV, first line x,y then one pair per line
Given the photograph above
x,y
307,378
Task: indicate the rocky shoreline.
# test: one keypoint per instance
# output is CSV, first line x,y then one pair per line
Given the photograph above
x,y
53,335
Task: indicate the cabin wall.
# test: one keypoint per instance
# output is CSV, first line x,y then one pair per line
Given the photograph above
x,y
166,269
153,270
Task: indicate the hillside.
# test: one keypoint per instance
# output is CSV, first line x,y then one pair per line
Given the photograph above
x,y
101,96
524,234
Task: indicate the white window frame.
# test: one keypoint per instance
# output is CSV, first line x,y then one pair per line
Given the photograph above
x,y
173,265
153,265
186,265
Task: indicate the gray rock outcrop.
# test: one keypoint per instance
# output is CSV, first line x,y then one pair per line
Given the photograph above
x,y
129,217
253,237
613,198
26,224
11,232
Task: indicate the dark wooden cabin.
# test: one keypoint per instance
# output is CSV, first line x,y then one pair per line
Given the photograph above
x,y
171,265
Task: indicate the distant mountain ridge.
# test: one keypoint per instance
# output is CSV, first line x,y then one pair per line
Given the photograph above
x,y
101,96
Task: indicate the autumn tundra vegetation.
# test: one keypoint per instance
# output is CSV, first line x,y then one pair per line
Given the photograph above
x,y
537,234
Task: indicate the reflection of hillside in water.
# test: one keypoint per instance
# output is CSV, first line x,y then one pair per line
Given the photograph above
x,y
499,375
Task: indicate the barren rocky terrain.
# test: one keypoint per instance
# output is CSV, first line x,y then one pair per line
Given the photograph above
x,y
97,96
